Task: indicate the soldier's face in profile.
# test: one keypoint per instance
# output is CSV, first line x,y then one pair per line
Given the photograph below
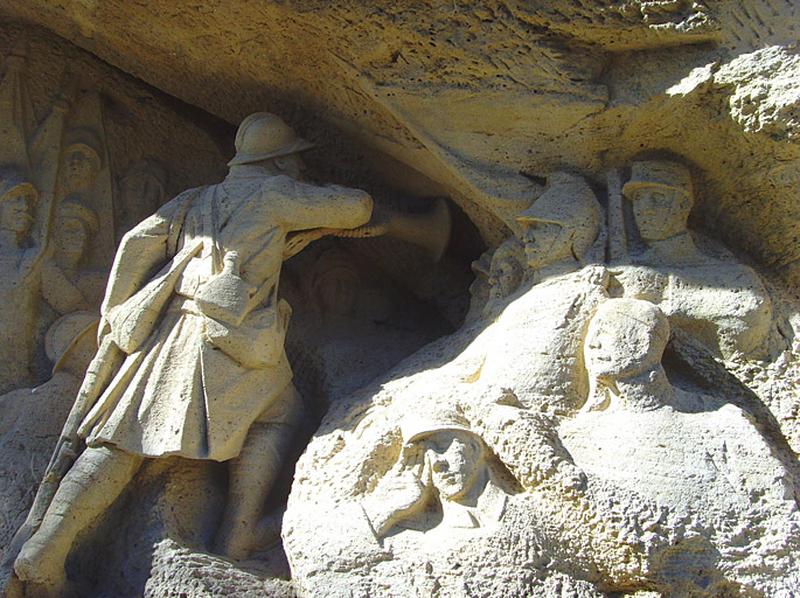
x,y
544,243
15,213
455,461
504,277
618,346
660,212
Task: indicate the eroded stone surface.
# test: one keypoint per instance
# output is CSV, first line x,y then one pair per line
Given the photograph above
x,y
595,205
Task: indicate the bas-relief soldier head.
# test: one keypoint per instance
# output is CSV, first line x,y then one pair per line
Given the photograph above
x,y
265,139
76,225
453,455
626,337
661,195
144,183
82,160
562,223
335,283
17,200
506,270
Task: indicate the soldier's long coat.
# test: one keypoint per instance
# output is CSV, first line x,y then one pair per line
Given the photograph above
x,y
178,393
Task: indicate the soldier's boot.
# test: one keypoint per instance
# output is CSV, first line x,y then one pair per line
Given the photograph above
x,y
95,480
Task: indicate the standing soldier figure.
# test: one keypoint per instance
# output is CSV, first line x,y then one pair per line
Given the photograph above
x,y
191,362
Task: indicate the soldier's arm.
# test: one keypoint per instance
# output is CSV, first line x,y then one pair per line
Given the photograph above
x,y
331,206
142,250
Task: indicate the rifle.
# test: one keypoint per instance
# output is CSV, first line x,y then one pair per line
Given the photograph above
x,y
98,375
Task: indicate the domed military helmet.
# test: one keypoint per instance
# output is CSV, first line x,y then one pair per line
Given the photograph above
x,y
12,185
665,174
72,209
417,426
262,136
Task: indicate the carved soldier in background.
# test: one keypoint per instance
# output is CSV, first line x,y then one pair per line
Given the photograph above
x,y
543,326
21,258
720,301
142,191
203,372
81,161
66,285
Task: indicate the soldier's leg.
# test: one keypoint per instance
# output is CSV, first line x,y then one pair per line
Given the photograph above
x,y
252,476
95,480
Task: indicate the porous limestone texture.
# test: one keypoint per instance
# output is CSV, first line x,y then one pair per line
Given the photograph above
x,y
493,298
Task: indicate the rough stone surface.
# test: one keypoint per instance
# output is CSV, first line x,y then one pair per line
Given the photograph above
x,y
554,350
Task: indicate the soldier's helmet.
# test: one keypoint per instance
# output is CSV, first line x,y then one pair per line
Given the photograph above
x,y
264,135
417,426
665,174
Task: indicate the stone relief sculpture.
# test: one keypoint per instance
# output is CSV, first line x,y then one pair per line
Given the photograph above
x,y
715,468
67,285
560,227
716,299
22,257
142,190
191,361
33,414
554,376
86,172
618,412
445,463
24,226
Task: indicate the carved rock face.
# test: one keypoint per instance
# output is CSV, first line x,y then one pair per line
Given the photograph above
x,y
660,212
565,447
15,213
81,165
455,462
625,340
545,242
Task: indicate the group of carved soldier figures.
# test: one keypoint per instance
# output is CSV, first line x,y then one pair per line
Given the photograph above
x,y
552,422
57,219
191,359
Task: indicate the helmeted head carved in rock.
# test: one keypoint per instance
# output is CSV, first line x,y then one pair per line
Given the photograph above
x,y
82,159
662,197
265,136
17,200
626,337
146,184
506,269
335,283
562,223
454,456
76,226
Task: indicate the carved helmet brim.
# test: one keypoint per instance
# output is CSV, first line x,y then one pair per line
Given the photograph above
x,y
299,145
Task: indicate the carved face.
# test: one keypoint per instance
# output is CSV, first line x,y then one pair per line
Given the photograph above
x,y
619,346
455,461
81,166
15,212
338,293
71,238
142,190
660,212
504,277
545,243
